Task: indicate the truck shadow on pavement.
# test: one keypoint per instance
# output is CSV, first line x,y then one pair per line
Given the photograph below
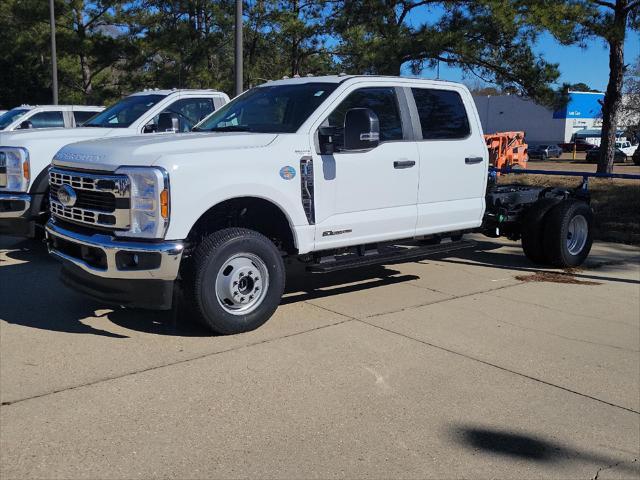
x,y
532,448
32,295
484,255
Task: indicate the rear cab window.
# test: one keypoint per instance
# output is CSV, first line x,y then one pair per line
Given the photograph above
x,y
81,117
442,114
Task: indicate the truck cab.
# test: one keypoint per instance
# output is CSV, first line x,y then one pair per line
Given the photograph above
x,y
25,154
310,169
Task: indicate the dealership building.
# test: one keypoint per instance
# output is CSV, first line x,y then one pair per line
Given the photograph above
x,y
581,116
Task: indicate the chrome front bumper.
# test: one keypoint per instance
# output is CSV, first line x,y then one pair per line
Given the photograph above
x,y
14,205
78,249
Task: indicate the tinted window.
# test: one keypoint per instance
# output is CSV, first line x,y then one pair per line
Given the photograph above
x,y
82,117
125,112
189,111
9,117
270,109
382,101
47,120
442,114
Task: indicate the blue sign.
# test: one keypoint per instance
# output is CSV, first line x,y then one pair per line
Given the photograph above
x,y
582,105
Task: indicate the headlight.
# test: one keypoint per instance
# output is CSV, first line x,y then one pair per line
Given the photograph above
x,y
15,163
149,202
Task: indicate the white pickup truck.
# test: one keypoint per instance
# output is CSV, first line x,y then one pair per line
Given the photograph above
x,y
46,116
335,172
25,155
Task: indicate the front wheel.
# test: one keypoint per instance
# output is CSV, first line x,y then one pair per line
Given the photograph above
x,y
568,233
237,280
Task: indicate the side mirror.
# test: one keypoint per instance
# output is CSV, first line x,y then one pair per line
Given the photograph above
x,y
168,122
361,129
25,125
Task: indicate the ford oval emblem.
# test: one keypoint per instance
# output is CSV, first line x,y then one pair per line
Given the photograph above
x,y
287,172
67,196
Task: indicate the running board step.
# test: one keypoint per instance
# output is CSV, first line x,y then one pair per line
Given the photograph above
x,y
389,255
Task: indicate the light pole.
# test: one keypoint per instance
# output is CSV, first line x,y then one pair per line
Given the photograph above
x,y
238,44
54,59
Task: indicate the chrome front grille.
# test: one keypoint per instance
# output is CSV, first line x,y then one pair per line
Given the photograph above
x,y
101,200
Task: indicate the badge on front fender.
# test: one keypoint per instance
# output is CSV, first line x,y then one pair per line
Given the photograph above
x,y
287,173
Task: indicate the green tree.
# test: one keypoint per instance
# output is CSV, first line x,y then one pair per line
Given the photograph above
x,y
286,37
184,44
490,39
609,20
25,70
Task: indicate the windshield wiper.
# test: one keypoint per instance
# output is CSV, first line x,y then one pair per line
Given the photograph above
x,y
231,128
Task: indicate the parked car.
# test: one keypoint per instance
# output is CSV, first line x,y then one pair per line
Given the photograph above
x,y
593,156
25,155
46,116
335,172
580,145
627,148
545,152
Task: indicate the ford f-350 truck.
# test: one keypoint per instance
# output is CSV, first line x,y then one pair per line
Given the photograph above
x,y
25,155
332,171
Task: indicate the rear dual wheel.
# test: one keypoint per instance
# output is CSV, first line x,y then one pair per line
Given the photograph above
x,y
558,233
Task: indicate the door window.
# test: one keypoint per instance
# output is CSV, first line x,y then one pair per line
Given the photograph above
x,y
189,111
383,102
47,120
442,114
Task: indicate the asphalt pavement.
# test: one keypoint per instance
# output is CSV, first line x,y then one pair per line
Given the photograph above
x,y
478,365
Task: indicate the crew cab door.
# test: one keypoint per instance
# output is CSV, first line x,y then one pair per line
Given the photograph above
x,y
453,160
367,196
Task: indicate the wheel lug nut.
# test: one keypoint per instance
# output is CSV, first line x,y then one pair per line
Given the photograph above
x,y
241,274
242,299
235,283
249,272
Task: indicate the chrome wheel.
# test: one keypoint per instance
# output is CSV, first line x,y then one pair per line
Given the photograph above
x,y
577,233
242,283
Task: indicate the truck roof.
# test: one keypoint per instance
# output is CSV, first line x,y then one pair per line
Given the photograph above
x,y
60,107
166,92
344,78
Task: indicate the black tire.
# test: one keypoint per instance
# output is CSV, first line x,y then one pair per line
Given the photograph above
x,y
533,230
210,256
557,234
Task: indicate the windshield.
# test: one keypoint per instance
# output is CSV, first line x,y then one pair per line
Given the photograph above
x,y
276,109
125,112
9,117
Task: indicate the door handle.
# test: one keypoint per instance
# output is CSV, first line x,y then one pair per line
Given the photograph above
x,y
472,160
399,164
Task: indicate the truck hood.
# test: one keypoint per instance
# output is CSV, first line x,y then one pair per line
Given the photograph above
x,y
61,135
145,150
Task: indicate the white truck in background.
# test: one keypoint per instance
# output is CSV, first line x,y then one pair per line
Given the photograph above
x,y
335,172
26,117
25,155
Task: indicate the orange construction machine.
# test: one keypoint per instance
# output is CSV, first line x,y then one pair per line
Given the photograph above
x,y
507,149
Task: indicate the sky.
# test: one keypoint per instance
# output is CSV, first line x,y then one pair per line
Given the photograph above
x,y
588,65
